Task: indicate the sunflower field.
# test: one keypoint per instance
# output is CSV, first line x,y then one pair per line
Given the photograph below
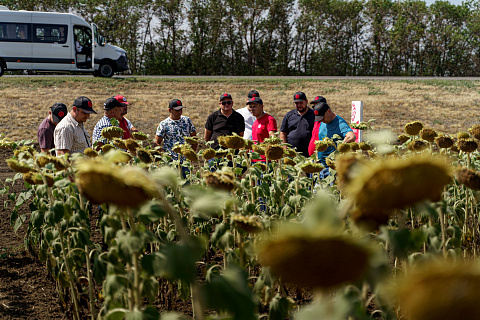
x,y
391,233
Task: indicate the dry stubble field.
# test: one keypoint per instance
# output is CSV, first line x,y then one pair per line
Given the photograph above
x,y
445,105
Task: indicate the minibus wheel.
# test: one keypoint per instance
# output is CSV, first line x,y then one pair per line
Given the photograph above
x,y
106,70
2,69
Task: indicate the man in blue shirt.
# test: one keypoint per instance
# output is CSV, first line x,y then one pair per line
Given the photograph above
x,y
331,124
297,125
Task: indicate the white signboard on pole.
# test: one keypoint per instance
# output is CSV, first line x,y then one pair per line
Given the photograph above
x,y
357,117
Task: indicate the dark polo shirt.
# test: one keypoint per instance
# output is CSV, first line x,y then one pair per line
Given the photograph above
x,y
45,134
220,125
298,129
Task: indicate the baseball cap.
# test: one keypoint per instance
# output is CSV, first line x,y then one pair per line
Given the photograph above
x,y
122,99
319,110
255,100
175,104
225,95
59,110
111,103
319,99
253,94
299,96
85,104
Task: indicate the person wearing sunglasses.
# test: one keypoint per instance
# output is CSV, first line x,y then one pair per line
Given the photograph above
x,y
224,121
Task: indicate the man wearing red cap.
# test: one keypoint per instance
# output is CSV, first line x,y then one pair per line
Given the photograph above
x,y
125,124
46,129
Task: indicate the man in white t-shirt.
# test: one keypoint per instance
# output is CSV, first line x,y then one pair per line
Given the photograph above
x,y
247,115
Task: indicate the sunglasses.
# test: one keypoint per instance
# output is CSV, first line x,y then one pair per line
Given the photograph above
x,y
226,102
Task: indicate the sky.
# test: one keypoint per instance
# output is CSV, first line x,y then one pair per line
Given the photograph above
x,y
455,2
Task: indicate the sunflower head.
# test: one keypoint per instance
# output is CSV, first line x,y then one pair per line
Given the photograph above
x,y
413,128
467,145
444,142
428,134
139,136
475,131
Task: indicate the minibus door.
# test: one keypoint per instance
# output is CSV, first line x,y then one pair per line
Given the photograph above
x,y
82,42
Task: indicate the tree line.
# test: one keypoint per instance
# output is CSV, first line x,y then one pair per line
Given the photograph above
x,y
285,37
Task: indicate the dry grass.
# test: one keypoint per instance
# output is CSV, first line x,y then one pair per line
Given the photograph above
x,y
445,105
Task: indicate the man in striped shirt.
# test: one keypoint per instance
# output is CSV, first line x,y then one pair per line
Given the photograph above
x,y
113,109
70,135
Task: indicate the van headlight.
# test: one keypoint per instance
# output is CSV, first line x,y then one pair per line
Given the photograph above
x,y
121,53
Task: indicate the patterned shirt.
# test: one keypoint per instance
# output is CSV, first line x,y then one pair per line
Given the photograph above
x,y
71,135
104,122
174,131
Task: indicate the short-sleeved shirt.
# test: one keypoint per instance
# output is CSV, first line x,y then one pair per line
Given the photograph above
x,y
174,131
337,126
220,125
261,128
249,120
71,135
104,122
298,129
126,125
45,134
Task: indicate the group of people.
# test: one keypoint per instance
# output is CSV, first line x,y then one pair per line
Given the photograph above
x,y
300,127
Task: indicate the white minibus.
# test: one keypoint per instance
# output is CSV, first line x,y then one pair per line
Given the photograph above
x,y
48,41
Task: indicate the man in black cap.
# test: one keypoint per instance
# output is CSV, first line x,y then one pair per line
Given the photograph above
x,y
224,121
45,131
297,125
112,109
70,135
174,129
316,125
330,125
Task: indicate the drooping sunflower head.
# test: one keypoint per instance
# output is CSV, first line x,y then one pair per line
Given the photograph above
x,y
343,147
395,183
467,145
273,151
311,167
189,153
468,177
112,132
18,166
208,154
403,138
463,135
233,142
475,131
428,134
413,128
102,182
314,260
364,146
144,155
139,136
220,180
439,290
444,142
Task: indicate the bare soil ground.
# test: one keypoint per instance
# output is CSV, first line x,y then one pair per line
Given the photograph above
x,y
448,106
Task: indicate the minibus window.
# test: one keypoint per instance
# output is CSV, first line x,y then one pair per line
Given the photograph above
x,y
50,33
